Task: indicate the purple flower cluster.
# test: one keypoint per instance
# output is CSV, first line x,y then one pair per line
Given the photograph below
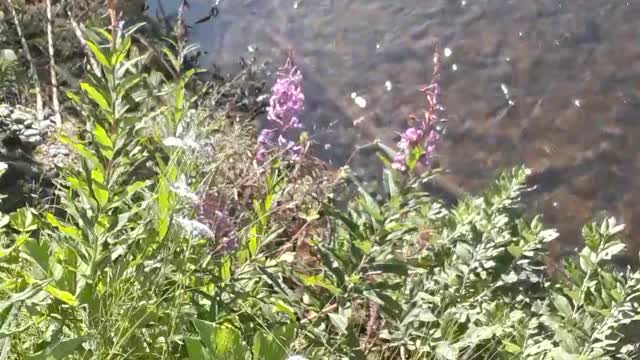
x,y
285,105
422,135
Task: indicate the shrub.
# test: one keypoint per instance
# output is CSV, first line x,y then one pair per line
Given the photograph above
x,y
168,240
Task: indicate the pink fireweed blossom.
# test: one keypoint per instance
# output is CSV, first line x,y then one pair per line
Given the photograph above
x,y
285,105
422,134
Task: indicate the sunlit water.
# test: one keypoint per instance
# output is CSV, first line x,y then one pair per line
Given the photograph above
x,y
571,69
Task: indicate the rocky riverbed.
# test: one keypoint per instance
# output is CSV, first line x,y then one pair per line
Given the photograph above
x,y
29,155
19,121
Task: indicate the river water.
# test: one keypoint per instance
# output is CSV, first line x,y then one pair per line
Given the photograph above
x,y
553,84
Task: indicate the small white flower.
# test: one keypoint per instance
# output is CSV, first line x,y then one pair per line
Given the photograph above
x,y
190,144
182,189
388,85
173,141
297,357
195,228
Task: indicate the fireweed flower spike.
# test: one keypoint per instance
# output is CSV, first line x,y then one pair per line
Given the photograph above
x,y
285,105
422,136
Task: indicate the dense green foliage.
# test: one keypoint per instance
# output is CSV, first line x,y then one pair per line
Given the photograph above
x,y
120,267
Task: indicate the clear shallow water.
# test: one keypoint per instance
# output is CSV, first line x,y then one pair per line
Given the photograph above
x,y
570,67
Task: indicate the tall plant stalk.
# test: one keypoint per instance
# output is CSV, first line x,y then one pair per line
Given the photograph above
x,y
93,64
55,102
33,73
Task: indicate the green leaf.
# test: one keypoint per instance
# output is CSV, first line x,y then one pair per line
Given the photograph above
x,y
562,304
103,139
127,83
340,320
221,341
61,295
515,251
60,350
390,183
561,354
419,314
66,229
164,207
95,95
22,220
319,280
4,220
332,263
73,97
38,252
133,28
195,349
387,151
225,270
512,348
611,251
100,56
133,188
475,336
252,242
445,351
81,149
464,252
26,294
172,58
395,267
99,189
122,51
276,282
273,346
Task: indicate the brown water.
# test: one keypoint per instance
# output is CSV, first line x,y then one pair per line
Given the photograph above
x,y
570,67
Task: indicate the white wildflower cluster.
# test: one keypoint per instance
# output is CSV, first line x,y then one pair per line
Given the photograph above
x,y
195,228
182,189
297,357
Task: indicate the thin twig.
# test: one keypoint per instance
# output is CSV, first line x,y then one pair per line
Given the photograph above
x,y
329,309
32,67
52,67
78,32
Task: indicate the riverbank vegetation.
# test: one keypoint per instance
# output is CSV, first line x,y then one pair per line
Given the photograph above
x,y
175,231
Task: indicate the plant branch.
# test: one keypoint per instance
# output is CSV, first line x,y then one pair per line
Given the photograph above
x,y
52,67
32,67
78,32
